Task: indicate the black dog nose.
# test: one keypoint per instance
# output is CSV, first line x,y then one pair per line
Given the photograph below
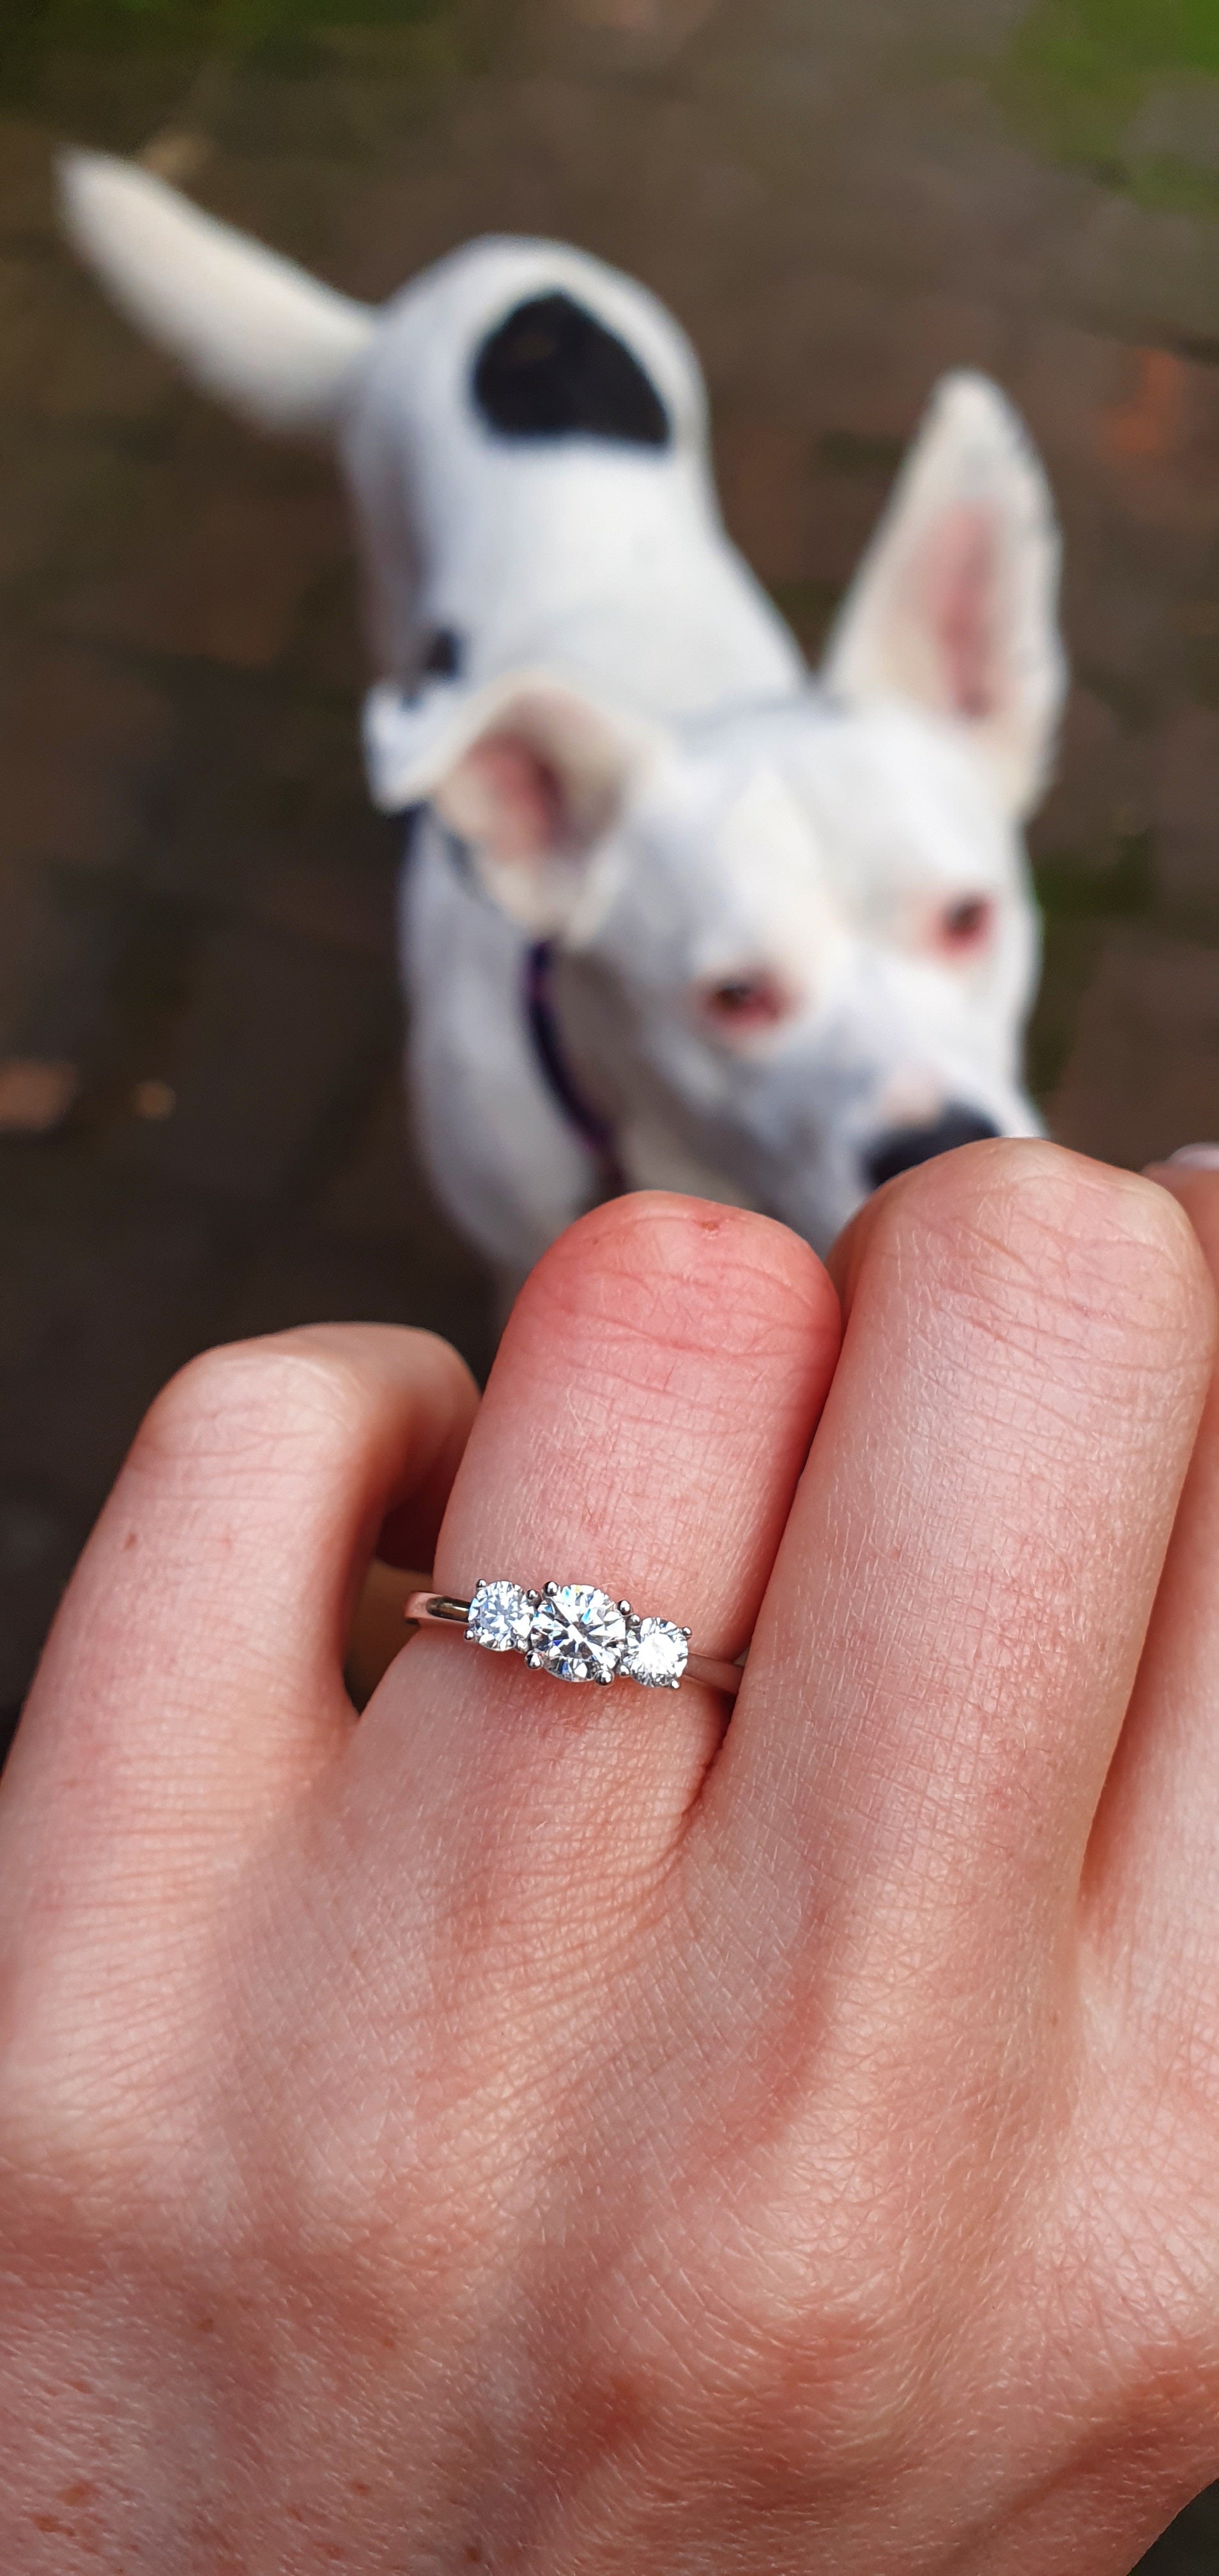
x,y
907,1146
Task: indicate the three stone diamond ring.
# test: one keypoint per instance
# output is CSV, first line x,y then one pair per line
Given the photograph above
x,y
577,1633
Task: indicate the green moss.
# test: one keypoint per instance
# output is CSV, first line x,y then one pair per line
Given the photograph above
x,y
1077,71
1070,891
1079,899
279,33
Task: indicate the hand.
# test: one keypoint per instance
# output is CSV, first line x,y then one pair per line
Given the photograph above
x,y
534,2130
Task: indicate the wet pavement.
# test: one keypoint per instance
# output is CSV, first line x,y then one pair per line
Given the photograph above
x,y
201,1131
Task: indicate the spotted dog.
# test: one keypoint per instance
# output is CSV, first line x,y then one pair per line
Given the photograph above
x,y
676,912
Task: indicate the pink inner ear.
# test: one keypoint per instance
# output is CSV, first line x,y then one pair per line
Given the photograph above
x,y
519,796
962,574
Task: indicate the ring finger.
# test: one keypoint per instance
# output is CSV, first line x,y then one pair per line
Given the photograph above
x,y
643,1430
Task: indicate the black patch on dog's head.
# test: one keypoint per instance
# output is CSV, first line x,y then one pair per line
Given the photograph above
x,y
551,370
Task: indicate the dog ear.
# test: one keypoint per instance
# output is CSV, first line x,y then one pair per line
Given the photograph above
x,y
529,772
248,326
955,604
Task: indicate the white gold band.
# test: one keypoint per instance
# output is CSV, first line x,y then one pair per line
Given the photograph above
x,y
576,1633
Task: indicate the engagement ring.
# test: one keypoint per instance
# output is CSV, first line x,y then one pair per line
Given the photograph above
x,y
577,1633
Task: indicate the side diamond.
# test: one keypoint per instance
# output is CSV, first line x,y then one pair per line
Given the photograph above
x,y
578,1633
656,1654
499,1618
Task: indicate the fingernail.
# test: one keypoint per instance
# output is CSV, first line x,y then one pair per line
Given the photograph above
x,y
1197,1158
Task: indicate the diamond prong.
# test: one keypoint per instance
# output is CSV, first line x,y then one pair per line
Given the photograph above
x,y
686,1632
551,1589
675,1685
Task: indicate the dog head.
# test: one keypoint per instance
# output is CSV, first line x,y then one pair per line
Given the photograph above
x,y
803,933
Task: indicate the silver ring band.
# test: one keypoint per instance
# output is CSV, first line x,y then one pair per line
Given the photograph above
x,y
577,1633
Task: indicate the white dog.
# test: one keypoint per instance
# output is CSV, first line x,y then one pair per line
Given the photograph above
x,y
675,914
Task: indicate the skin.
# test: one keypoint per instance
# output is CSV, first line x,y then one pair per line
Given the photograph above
x,y
542,2131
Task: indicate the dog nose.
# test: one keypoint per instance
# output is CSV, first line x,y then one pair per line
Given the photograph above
x,y
906,1146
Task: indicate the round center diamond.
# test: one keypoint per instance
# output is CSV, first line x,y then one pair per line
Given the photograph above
x,y
656,1654
578,1634
499,1618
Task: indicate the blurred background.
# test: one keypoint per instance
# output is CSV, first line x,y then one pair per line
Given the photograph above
x,y
201,1128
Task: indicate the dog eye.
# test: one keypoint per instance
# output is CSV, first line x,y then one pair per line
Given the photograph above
x,y
738,1004
964,926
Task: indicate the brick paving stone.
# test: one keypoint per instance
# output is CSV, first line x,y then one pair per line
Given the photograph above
x,y
1187,809
39,1544
934,332
339,894
375,1191
26,147
1152,274
1178,120
1144,1073
652,26
82,742
1103,789
265,811
308,1274
329,642
63,939
765,471
64,363
106,1286
276,1039
224,585
381,1198
1066,380
36,1093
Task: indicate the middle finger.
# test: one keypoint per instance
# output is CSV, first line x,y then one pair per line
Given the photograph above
x,y
951,1634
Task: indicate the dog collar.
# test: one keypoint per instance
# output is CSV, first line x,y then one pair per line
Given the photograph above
x,y
589,1123
541,1012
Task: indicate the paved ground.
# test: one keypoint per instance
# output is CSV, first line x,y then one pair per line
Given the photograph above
x,y
200,1131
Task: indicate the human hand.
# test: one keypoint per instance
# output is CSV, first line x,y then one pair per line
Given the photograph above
x,y
535,2130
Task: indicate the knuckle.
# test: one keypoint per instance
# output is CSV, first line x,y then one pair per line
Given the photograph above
x,y
1030,1240
682,1277
248,1400
804,2345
